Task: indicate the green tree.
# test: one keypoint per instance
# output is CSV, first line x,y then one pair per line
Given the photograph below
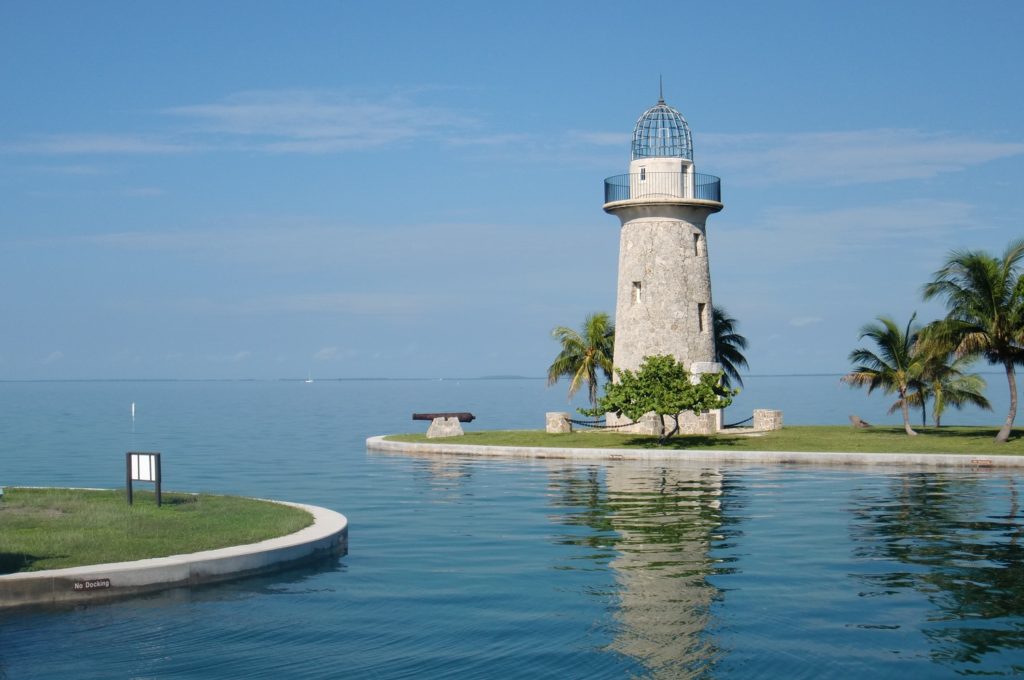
x,y
894,366
946,384
662,385
985,311
944,378
728,346
585,354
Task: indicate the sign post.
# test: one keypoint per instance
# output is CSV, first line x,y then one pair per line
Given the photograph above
x,y
142,467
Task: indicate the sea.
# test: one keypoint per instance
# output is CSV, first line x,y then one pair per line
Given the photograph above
x,y
467,568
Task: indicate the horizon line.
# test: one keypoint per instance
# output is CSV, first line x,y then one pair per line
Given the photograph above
x,y
367,378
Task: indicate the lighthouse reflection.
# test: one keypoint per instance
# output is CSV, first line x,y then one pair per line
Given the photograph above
x,y
655,526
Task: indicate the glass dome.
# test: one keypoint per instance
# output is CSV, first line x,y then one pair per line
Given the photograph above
x,y
662,132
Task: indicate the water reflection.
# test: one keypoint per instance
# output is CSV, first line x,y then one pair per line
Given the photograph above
x,y
446,476
958,539
656,527
180,632
290,580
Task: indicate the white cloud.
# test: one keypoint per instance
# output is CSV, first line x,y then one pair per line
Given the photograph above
x,y
852,157
801,321
492,140
276,121
53,357
325,353
829,158
59,144
332,353
235,358
620,139
142,192
786,235
295,245
337,303
340,302
307,121
82,170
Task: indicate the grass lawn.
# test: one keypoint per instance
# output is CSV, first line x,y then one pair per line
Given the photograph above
x,y
55,528
837,438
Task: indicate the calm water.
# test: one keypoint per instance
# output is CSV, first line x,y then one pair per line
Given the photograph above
x,y
480,568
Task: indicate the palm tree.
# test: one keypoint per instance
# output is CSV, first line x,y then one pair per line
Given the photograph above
x,y
896,366
728,346
944,381
584,354
985,311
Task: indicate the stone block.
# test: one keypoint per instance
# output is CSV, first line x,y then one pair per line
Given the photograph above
x,y
705,423
699,367
767,419
649,423
444,427
557,422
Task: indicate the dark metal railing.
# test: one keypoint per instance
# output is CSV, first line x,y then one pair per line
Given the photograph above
x,y
663,186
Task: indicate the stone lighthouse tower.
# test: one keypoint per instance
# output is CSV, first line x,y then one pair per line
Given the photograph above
x,y
664,290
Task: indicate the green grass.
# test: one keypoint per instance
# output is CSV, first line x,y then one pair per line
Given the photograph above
x,y
55,528
827,438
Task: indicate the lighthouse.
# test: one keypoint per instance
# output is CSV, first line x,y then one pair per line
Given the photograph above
x,y
663,303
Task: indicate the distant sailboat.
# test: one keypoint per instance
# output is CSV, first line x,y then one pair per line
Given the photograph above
x,y
309,377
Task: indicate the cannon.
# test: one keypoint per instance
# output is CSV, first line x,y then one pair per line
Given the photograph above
x,y
462,416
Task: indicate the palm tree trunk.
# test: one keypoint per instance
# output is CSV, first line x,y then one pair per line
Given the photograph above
x,y
1004,431
906,413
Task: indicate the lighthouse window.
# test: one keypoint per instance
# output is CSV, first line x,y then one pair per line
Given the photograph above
x,y
696,244
700,316
643,174
636,292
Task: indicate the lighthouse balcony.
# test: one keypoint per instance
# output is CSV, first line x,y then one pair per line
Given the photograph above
x,y
668,187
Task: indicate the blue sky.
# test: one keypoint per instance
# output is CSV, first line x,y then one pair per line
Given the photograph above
x,y
263,190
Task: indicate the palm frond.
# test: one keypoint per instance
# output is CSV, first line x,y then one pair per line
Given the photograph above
x,y
584,354
728,346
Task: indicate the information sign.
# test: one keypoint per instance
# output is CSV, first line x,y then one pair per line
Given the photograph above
x,y
141,466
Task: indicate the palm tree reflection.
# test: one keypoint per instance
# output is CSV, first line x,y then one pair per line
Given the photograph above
x,y
959,537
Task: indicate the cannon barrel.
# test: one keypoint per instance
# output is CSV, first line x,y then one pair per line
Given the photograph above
x,y
463,416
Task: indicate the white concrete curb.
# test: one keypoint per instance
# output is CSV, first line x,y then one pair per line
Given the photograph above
x,y
946,460
328,535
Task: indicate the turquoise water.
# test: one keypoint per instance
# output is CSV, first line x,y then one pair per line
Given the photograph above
x,y
488,568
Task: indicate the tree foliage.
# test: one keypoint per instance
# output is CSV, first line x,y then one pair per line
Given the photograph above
x,y
729,346
585,354
894,365
985,310
662,385
944,378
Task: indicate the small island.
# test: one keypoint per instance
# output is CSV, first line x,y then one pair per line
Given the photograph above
x,y
65,545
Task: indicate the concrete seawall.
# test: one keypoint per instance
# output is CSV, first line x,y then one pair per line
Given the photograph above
x,y
328,535
943,460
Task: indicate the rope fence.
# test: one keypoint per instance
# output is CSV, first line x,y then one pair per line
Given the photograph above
x,y
596,424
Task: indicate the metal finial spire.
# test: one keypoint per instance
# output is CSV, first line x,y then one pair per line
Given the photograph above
x,y
661,91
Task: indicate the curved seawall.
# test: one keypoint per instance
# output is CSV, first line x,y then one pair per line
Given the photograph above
x,y
328,535
944,460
